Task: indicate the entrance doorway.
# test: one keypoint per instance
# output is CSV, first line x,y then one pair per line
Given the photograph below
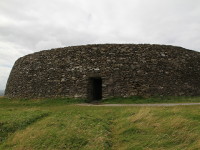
x,y
95,89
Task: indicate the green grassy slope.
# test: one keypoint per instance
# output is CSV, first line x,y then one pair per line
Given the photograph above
x,y
54,124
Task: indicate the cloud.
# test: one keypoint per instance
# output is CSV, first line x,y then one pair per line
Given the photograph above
x,y
27,26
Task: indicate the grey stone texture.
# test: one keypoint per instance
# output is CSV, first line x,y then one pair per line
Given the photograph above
x,y
126,70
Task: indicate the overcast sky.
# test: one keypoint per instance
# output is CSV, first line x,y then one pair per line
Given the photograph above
x,y
27,26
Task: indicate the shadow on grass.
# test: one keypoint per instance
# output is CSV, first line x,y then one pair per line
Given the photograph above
x,y
8,128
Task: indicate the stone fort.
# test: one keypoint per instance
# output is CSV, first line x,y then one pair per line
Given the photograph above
x,y
102,71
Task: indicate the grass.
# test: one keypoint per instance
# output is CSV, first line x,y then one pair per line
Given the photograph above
x,y
13,120
149,100
46,102
57,124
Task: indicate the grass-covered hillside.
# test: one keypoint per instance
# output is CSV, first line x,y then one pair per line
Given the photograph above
x,y
58,124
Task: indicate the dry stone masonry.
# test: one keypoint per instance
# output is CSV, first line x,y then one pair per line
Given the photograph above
x,y
107,70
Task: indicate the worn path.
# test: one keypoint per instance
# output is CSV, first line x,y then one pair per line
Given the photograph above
x,y
163,104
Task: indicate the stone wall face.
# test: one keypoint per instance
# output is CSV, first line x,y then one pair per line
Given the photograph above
x,y
126,70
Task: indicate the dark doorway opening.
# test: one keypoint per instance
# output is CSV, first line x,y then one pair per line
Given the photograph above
x,y
95,89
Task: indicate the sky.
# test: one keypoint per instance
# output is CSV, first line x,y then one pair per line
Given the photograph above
x,y
27,26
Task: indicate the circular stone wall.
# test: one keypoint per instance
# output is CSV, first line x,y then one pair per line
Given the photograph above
x,y
123,70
